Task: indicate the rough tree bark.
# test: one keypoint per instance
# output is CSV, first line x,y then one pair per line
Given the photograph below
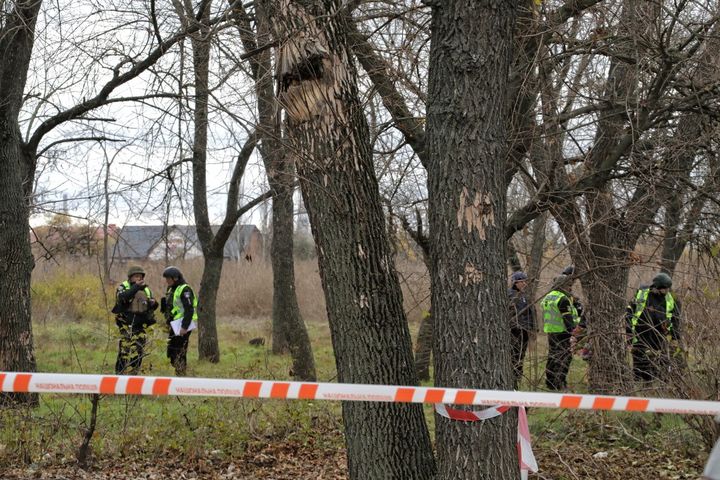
x,y
470,57
329,136
208,346
288,329
16,183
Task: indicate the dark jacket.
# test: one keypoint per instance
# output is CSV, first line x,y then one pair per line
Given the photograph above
x,y
187,298
123,301
522,313
653,327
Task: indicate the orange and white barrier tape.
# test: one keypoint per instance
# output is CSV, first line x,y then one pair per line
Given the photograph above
x,y
216,387
524,446
500,400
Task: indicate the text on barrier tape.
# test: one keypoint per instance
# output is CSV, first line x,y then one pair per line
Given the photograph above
x,y
216,387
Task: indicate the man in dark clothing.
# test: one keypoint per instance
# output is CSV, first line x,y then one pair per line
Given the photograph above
x,y
522,322
179,305
653,327
560,318
134,307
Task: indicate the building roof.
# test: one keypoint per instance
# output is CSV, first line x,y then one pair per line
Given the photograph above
x,y
136,242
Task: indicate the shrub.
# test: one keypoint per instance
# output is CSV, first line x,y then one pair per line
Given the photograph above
x,y
76,297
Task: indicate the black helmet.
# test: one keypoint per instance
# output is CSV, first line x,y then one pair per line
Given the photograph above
x,y
518,277
172,272
662,280
134,270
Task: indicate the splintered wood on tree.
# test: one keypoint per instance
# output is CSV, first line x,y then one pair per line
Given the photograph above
x,y
309,76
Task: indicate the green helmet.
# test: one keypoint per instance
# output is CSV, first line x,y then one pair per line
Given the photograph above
x,y
134,270
662,280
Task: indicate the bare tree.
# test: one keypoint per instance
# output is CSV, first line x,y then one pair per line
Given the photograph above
x,y
21,156
329,137
289,331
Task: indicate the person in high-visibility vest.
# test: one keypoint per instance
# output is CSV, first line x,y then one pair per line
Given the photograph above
x,y
180,303
522,322
134,307
653,327
560,318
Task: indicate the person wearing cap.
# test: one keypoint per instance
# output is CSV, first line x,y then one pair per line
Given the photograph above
x,y
180,303
522,322
653,322
134,313
560,317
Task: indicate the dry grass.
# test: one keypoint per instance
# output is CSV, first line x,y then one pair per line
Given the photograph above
x,y
245,288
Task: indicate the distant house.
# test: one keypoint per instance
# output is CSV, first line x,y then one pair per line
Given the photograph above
x,y
150,242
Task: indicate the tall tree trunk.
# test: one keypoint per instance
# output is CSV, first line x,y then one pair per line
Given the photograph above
x,y
288,329
16,184
371,340
208,346
470,56
423,347
209,286
535,264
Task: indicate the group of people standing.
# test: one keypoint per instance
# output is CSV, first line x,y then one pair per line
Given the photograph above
x,y
134,311
652,327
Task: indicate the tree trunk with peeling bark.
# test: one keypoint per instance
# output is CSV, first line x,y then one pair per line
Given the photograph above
x,y
289,332
329,137
470,57
16,184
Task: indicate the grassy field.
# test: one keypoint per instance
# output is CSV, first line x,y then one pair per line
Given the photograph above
x,y
194,431
235,438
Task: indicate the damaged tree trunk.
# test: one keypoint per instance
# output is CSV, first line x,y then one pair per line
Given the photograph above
x,y
288,329
470,57
330,141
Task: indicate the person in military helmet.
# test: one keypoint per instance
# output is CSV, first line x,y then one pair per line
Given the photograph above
x,y
653,327
180,303
522,322
134,313
560,318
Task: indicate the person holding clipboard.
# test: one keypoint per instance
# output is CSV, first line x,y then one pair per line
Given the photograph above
x,y
180,309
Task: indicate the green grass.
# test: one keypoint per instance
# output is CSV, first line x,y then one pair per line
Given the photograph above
x,y
194,427
187,426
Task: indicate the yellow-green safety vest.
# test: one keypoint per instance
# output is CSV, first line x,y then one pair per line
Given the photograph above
x,y
178,311
552,318
126,285
641,300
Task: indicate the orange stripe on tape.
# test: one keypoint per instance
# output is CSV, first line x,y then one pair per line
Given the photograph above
x,y
134,385
603,403
404,394
2,380
637,405
252,389
107,385
279,390
570,401
22,382
434,396
308,391
161,386
465,397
